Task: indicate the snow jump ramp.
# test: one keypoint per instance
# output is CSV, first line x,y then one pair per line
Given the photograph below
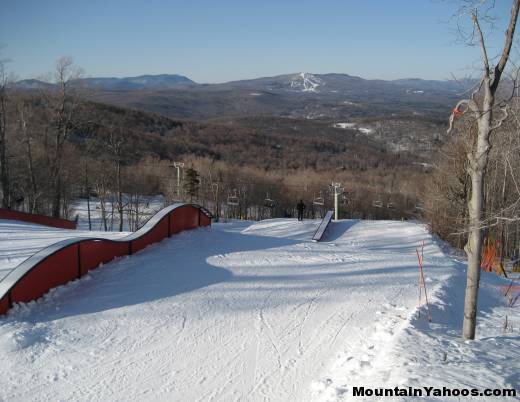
x,y
320,231
70,259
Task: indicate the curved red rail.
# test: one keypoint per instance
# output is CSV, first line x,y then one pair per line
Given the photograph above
x,y
38,219
70,259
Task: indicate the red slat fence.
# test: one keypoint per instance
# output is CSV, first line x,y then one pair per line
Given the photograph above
x,y
70,259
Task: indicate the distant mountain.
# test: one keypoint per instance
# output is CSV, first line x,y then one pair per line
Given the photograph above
x,y
333,96
338,97
334,83
303,82
299,82
162,81
32,84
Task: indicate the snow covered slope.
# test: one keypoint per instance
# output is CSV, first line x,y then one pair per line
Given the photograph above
x,y
239,312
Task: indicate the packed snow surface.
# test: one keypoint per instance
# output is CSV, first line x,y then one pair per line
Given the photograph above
x,y
242,312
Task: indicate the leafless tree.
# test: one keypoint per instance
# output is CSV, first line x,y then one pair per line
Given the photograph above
x,y
116,144
4,172
489,114
62,105
25,115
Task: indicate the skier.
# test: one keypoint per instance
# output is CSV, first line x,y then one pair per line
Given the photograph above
x,y
300,207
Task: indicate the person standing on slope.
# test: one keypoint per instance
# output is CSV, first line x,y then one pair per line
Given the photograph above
x,y
300,207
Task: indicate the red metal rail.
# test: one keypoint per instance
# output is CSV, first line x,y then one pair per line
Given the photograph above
x,y
35,218
70,259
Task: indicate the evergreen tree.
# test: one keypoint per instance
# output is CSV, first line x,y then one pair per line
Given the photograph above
x,y
191,183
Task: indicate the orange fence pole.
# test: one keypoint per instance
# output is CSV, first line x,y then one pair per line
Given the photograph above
x,y
422,282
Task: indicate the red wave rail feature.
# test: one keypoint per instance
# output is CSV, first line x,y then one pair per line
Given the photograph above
x,y
38,219
70,259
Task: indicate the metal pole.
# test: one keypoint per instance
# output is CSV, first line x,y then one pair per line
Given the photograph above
x,y
178,165
337,189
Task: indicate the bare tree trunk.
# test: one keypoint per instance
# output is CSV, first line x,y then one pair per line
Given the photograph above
x,y
103,214
477,168
33,197
56,200
477,161
473,247
87,189
4,172
111,213
137,223
119,196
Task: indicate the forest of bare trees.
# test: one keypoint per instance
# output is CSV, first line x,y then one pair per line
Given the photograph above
x,y
58,147
446,195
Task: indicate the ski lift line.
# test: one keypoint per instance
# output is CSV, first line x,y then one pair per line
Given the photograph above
x,y
224,182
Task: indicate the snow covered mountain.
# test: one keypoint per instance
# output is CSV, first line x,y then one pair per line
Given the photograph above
x,y
297,95
306,82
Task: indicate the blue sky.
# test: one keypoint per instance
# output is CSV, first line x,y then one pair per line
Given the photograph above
x,y
222,40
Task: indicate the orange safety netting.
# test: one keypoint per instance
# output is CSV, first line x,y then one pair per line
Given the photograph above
x,y
489,261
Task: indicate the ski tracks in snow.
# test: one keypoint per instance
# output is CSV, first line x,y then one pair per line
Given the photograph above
x,y
251,312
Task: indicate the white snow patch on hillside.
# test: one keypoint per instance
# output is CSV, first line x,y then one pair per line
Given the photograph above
x,y
413,91
345,125
306,82
366,130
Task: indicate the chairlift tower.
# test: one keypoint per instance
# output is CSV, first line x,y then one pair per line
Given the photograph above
x,y
337,190
178,166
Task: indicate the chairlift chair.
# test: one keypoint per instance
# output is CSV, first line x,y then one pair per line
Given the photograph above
x,y
268,202
377,203
233,199
320,201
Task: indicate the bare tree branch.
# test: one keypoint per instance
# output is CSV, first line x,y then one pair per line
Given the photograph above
x,y
499,68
